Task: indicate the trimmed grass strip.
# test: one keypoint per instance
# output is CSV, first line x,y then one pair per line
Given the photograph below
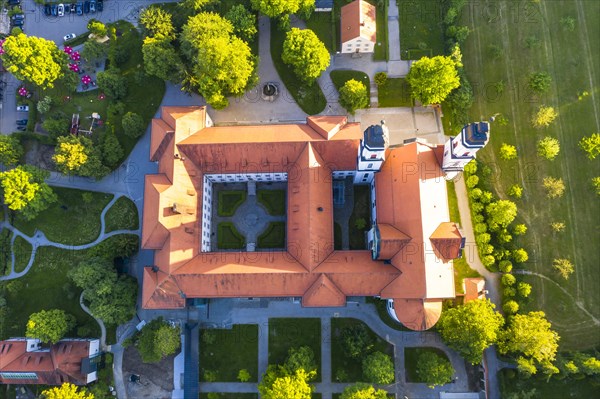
x,y
273,200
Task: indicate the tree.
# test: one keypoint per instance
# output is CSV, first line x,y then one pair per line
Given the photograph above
x,y
555,188
24,190
520,255
353,95
244,375
508,152
66,391
157,340
510,307
434,369
220,64
378,368
479,319
524,289
589,365
472,181
558,227
515,191
300,358
530,335
277,8
158,23
568,23
520,229
432,79
305,53
10,150
76,154
112,152
243,21
44,104
591,145
539,82
564,267
356,340
500,214
49,325
362,390
112,83
133,125
277,383
548,148
56,126
380,79
93,50
505,266
96,28
544,116
162,60
33,59
508,280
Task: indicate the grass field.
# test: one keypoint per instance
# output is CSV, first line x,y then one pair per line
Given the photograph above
x,y
293,333
394,93
122,214
534,40
231,351
420,28
22,250
553,389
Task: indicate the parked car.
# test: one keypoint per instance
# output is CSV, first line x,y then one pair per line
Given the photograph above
x,y
17,22
69,36
18,16
61,10
93,6
79,8
86,7
22,122
100,5
22,108
14,2
73,8
21,128
47,9
54,10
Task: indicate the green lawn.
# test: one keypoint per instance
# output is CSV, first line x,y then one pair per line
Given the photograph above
x,y
122,214
46,286
346,367
421,29
567,388
229,201
273,236
22,250
69,220
574,65
273,200
323,24
340,77
394,93
228,237
293,333
229,352
5,257
310,98
362,210
411,357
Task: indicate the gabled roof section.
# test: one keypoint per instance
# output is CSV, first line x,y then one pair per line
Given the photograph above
x,y
474,288
160,137
446,241
323,293
310,210
185,121
358,20
392,241
154,233
167,295
11,350
326,126
417,314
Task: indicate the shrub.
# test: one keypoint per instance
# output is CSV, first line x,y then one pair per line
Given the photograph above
x,y
475,193
515,191
509,292
381,78
540,82
488,261
133,125
558,227
486,197
596,184
510,307
480,228
44,104
532,42
520,229
508,280
353,95
555,188
244,375
568,23
477,207
564,267
544,116
495,51
472,181
524,289
508,152
548,148
471,168
520,255
505,266
591,145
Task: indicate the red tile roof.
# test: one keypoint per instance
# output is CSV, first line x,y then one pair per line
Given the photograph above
x,y
358,20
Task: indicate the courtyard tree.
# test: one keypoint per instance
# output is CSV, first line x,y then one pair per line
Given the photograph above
x,y
305,53
300,358
112,83
219,63
76,154
24,190
544,116
508,152
362,390
66,391
353,95
157,23
529,336
33,59
378,368
563,267
356,340
157,340
591,145
434,369
432,79
133,125
481,321
500,214
548,148
555,188
278,8
49,326
243,21
277,383
162,60
10,150
540,81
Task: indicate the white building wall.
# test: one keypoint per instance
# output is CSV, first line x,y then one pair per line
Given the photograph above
x,y
206,213
363,177
373,203
361,44
341,174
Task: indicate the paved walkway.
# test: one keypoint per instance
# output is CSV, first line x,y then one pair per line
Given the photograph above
x,y
99,321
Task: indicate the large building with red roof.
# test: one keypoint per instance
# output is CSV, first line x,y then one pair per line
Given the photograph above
x,y
408,251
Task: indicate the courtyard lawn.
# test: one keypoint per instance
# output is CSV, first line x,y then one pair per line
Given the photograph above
x,y
22,250
341,76
229,201
293,333
360,220
394,93
69,220
567,388
226,352
228,237
323,24
345,368
46,286
273,236
309,98
421,28
122,214
411,356
273,200
539,42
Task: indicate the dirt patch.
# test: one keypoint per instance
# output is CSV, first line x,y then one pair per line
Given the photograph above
x,y
156,380
39,155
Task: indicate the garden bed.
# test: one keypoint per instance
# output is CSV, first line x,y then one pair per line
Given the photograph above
x,y
229,201
273,200
273,236
228,237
